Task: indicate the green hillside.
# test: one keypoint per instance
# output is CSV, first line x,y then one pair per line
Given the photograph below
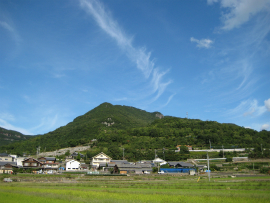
x,y
10,136
141,133
105,117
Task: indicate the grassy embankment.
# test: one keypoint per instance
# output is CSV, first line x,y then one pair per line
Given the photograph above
x,y
150,188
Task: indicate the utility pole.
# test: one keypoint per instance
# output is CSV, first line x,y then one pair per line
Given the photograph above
x,y
210,143
208,167
155,153
223,150
123,153
163,154
38,151
261,149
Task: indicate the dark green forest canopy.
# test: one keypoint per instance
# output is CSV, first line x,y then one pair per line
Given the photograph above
x,y
139,132
9,136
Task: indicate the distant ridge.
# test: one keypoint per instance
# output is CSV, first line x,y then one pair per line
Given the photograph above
x,y
112,128
9,136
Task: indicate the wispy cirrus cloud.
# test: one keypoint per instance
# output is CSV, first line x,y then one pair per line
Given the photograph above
x,y
236,57
249,108
240,11
8,27
202,43
5,124
139,56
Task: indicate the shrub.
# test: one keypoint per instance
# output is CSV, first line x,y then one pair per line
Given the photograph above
x,y
265,170
229,160
155,169
213,167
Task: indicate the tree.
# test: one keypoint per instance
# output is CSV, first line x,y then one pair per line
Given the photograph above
x,y
184,150
67,153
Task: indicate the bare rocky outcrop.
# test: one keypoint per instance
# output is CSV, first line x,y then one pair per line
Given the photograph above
x,y
108,123
64,150
159,115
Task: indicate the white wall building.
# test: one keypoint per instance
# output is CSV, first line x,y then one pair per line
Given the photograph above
x,y
19,161
73,165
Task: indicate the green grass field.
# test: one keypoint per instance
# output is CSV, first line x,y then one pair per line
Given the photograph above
x,y
147,188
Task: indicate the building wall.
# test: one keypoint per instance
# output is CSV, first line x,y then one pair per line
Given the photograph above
x,y
6,159
73,165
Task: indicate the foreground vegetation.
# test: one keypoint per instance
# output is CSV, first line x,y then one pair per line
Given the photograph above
x,y
147,188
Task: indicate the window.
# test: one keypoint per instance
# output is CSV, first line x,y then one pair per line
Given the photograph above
x,y
34,164
26,164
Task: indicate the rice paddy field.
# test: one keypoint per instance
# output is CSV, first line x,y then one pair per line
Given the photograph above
x,y
136,188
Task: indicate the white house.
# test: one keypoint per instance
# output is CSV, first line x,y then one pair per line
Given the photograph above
x,y
100,160
73,165
20,160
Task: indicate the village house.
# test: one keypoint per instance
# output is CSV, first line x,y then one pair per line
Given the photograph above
x,y
74,155
19,161
180,164
126,167
49,163
73,165
84,166
100,160
31,163
6,158
7,167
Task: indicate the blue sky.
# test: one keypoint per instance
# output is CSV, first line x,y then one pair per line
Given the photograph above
x,y
205,59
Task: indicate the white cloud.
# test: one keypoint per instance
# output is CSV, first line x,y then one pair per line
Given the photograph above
x,y
159,87
169,99
203,43
11,30
248,108
138,56
240,11
267,104
265,126
6,26
8,126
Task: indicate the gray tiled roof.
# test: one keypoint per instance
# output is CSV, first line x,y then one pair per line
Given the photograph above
x,y
5,162
181,164
3,154
50,158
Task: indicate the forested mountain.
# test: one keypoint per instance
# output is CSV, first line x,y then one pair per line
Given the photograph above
x,y
116,127
105,117
9,136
